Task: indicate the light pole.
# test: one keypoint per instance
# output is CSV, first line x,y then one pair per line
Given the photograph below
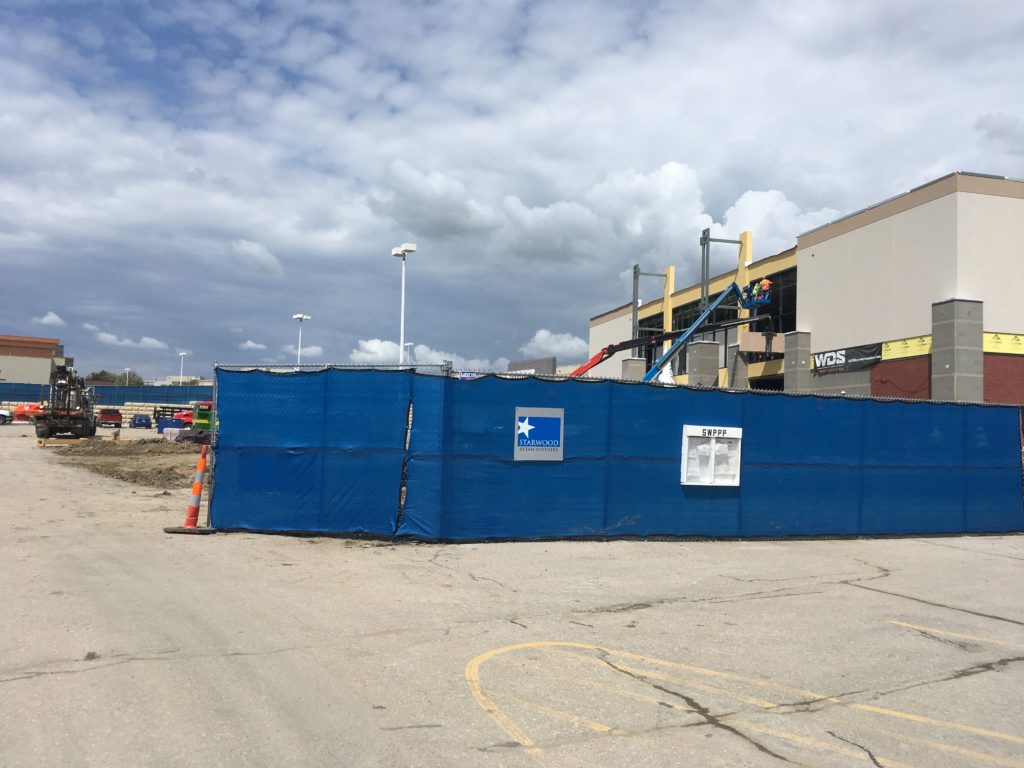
x,y
181,368
126,376
300,317
408,351
401,252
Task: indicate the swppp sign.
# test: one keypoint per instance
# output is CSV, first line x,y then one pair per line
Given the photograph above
x,y
539,434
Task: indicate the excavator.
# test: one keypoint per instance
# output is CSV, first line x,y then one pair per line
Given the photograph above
x,y
70,407
758,293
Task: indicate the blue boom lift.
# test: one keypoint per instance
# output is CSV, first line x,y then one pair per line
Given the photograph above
x,y
756,294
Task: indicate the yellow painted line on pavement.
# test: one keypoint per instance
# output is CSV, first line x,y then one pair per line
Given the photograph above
x,y
980,756
947,633
472,675
680,681
624,693
506,723
557,714
823,745
1005,762
862,707
938,723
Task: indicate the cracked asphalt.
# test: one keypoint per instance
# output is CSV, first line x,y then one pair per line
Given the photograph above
x,y
123,646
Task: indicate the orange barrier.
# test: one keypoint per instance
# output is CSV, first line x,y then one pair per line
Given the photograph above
x,y
192,517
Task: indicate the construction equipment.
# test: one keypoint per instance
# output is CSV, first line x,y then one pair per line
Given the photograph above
x,y
70,407
757,293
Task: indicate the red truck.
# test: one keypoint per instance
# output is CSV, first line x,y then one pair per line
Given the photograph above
x,y
109,417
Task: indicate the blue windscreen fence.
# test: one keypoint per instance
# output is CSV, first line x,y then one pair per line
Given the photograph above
x,y
398,453
118,395
113,394
319,451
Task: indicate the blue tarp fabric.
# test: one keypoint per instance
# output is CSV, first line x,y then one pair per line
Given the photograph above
x,y
112,394
326,451
320,451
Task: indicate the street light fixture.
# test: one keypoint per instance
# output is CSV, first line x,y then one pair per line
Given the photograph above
x,y
300,317
401,252
181,368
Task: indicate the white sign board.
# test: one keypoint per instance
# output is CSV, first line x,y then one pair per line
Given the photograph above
x,y
711,455
539,434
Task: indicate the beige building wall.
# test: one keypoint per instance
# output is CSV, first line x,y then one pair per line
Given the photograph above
x,y
873,276
878,281
990,263
610,328
25,370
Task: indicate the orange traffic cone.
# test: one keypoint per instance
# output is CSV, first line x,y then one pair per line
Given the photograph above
x,y
192,516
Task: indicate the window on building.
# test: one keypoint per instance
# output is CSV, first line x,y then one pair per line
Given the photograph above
x,y
649,326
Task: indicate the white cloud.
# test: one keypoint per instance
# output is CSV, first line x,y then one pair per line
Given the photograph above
x,y
257,257
250,344
375,351
551,147
145,342
50,318
562,231
660,208
564,346
774,220
90,327
381,352
310,351
432,203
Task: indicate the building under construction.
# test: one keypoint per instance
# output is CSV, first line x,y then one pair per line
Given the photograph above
x,y
916,297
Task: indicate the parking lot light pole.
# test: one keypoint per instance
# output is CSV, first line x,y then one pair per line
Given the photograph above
x,y
300,317
181,368
401,252
126,376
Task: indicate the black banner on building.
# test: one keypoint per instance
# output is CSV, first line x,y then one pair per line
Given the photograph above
x,y
846,360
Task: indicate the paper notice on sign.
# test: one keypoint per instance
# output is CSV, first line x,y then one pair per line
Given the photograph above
x,y
711,455
698,460
727,459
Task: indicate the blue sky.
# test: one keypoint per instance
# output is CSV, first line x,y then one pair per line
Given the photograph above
x,y
187,175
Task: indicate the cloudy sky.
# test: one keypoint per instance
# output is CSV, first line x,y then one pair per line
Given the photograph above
x,y
184,175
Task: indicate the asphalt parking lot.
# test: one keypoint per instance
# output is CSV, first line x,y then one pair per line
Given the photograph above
x,y
123,645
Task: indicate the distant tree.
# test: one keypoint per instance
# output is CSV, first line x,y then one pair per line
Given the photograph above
x,y
134,380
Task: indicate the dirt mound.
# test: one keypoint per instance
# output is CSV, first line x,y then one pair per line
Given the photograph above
x,y
134,448
156,463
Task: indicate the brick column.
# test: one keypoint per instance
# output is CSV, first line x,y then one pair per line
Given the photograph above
x,y
957,357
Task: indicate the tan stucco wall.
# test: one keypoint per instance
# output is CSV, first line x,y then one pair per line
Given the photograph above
x,y
612,330
990,259
878,281
24,370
